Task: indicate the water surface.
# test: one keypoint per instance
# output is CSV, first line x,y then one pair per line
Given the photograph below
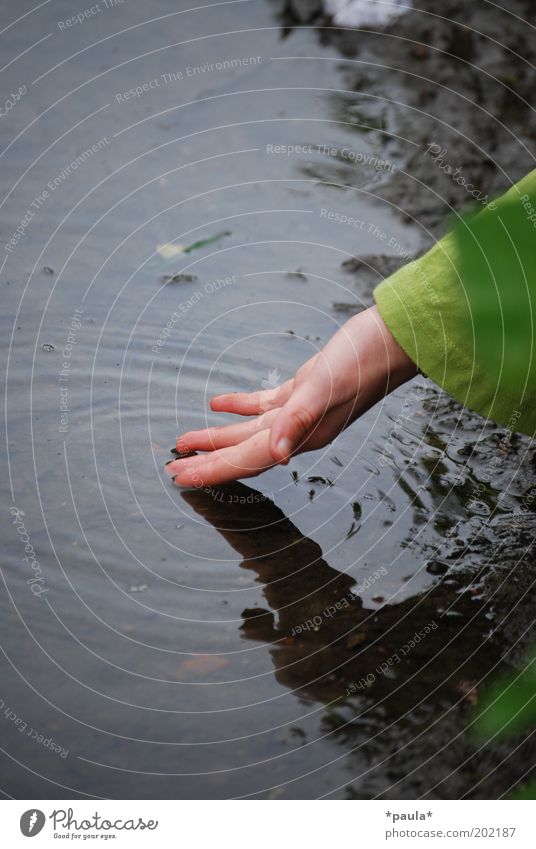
x,y
215,644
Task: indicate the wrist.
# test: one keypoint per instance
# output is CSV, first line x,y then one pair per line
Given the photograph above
x,y
381,352
400,367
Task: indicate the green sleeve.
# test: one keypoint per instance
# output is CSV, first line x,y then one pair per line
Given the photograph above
x,y
467,321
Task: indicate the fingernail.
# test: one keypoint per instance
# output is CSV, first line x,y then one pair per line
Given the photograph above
x,y
182,453
168,462
174,469
284,447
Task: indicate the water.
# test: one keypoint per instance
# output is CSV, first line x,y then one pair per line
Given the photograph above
x,y
211,645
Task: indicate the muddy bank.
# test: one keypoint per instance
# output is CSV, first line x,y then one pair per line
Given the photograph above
x,y
459,85
458,82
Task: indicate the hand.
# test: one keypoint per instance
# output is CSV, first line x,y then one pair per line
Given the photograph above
x,y
358,367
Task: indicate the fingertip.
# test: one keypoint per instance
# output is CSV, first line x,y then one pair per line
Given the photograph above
x,y
190,447
184,476
180,465
219,402
176,481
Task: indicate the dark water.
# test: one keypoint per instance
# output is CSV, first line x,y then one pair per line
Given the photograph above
x,y
244,642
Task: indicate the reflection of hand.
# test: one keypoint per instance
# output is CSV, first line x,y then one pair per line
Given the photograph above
x,y
358,366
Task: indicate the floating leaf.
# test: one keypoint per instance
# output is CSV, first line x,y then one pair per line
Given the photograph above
x,y
203,242
169,250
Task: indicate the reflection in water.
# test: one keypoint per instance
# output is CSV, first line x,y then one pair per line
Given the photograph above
x,y
391,679
360,111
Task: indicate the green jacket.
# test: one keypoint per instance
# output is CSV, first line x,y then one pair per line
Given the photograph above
x,y
465,312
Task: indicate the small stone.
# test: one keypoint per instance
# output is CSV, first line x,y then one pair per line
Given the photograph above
x,y
356,640
420,51
437,567
468,690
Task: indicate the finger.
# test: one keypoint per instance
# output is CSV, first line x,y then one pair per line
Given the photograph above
x,y
253,403
213,438
245,460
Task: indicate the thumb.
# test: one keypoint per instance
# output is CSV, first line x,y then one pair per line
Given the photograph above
x,y
302,413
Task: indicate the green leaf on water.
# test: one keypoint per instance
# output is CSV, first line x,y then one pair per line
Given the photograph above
x,y
202,243
169,251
